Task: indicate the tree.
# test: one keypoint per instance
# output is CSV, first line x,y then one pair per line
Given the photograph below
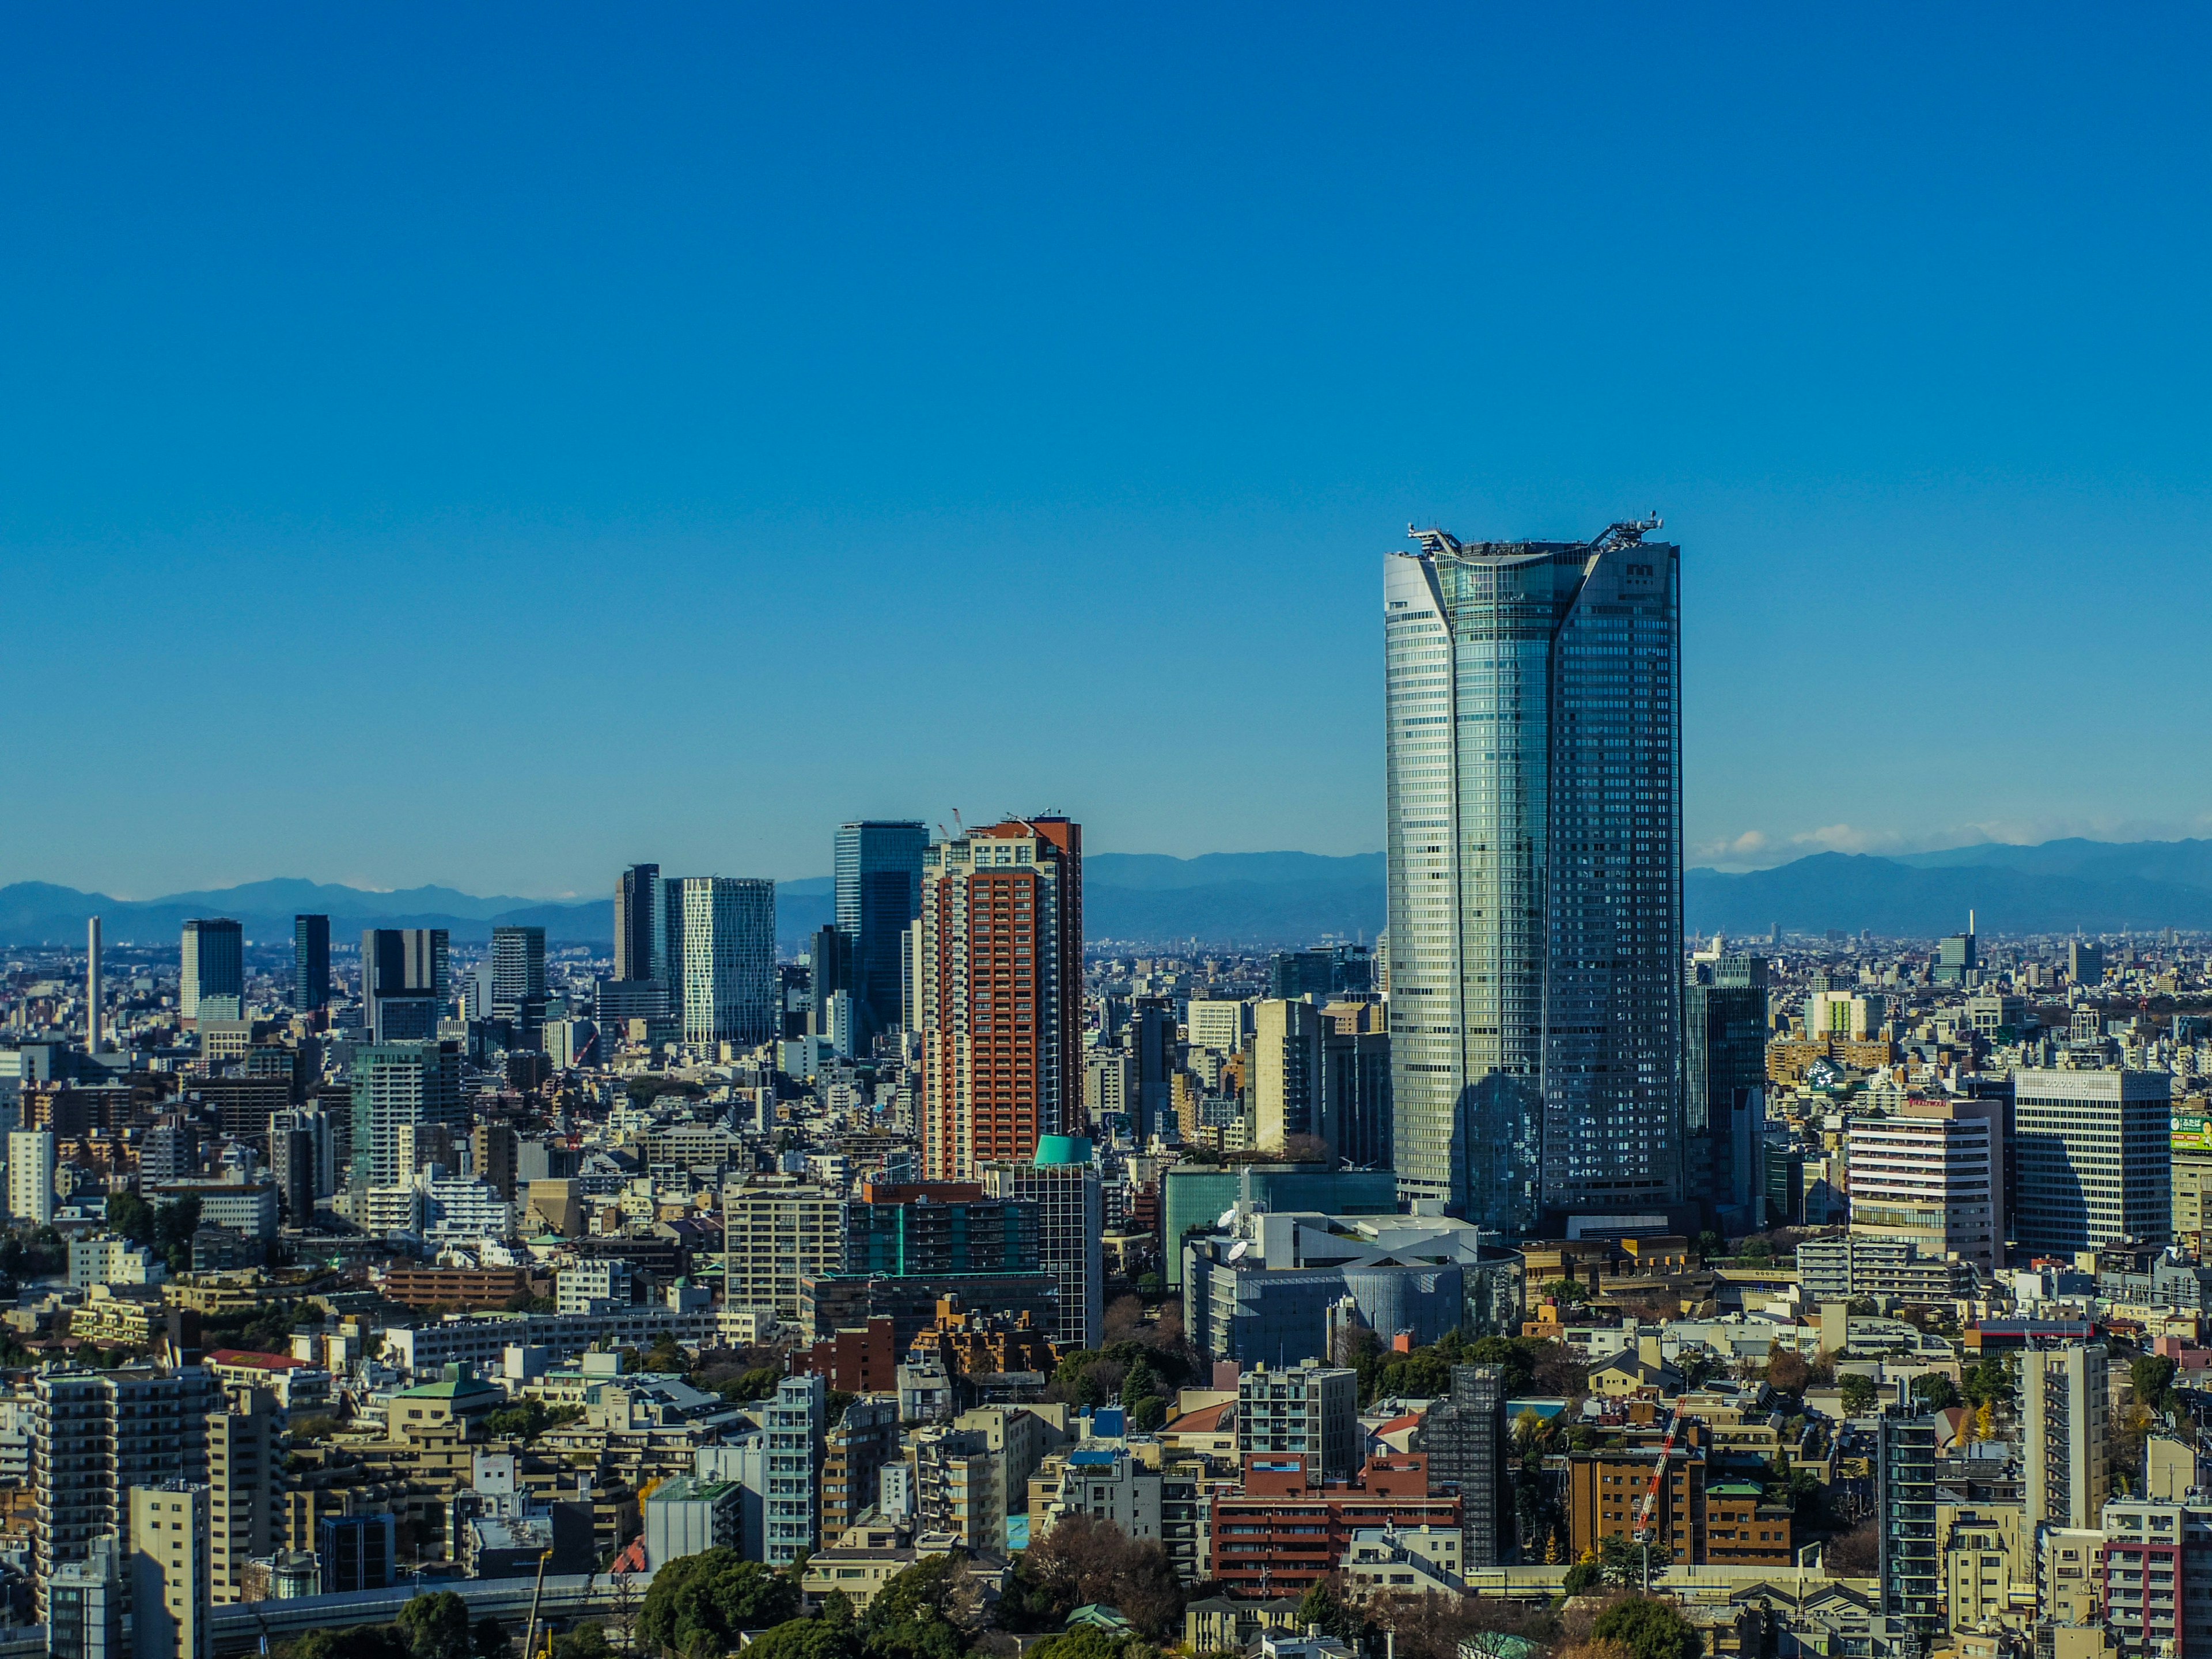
x,y
1622,1560
1649,1629
1786,1369
1432,1627
360,1642
1582,1579
487,1639
712,1596
1085,1559
1567,1290
436,1626
1859,1394
1934,1392
2153,1377
584,1642
131,1216
1854,1554
1988,1384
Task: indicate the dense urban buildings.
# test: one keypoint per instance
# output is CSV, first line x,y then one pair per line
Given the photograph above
x,y
1534,822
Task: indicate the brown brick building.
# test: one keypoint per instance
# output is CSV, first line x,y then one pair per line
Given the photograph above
x,y
1287,1531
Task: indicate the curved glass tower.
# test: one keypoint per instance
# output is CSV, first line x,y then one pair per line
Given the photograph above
x,y
1534,805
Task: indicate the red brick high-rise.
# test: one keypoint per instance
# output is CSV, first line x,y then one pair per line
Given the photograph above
x,y
998,994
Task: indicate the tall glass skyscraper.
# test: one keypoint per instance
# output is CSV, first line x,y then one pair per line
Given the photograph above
x,y
878,871
639,931
311,962
721,940
1534,806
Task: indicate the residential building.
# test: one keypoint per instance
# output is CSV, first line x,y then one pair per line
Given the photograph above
x,y
1287,1529
687,1515
294,1162
1978,1572
1308,1409
792,1420
31,1176
248,1208
1062,1183
641,935
1464,1435
213,971
242,1491
938,1228
172,1611
1932,1174
2063,1412
518,973
103,1259
401,1089
776,1236
878,896
1288,1093
84,1605
960,1486
311,962
2158,1577
1405,1561
592,1287
998,994
1106,1482
2093,1151
1837,1269
1723,1092
1904,1510
853,1453
1533,807
720,943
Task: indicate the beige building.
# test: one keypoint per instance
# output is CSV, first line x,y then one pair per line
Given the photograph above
x,y
775,1235
2070,1575
2065,1406
1978,1572
170,1607
242,1519
1287,1098
1932,1173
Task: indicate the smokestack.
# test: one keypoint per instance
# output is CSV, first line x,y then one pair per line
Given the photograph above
x,y
92,985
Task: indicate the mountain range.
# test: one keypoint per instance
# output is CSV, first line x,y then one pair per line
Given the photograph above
x,y
1255,900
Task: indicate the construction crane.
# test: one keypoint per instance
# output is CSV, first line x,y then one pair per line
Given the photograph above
x,y
530,1635
1648,1510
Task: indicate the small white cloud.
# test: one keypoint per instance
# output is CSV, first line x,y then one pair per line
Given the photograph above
x,y
1846,838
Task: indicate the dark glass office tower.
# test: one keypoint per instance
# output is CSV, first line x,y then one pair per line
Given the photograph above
x,y
311,962
518,970
639,953
403,982
879,870
1535,833
1723,1092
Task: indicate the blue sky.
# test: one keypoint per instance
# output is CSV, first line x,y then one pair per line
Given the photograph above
x,y
489,445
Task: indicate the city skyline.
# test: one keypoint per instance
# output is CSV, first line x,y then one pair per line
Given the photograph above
x,y
1135,395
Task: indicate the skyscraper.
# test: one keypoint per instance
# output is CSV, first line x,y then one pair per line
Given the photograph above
x,y
403,982
720,934
2093,1158
879,873
311,962
998,994
1724,1093
518,971
93,990
213,969
400,1091
1535,826
639,950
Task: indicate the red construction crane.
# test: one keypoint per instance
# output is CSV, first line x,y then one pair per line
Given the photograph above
x,y
1649,1509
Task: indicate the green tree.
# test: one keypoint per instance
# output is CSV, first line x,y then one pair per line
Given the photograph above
x,y
131,1216
1649,1629
757,1383
1621,1558
584,1642
436,1626
1582,1579
1932,1391
2153,1377
1859,1394
1989,1384
709,1597
487,1639
360,1642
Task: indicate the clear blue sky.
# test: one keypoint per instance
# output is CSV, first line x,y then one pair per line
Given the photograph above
x,y
491,445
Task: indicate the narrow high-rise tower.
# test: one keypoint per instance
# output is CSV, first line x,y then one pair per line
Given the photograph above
x,y
92,988
638,951
311,962
998,994
721,940
1535,826
879,873
213,970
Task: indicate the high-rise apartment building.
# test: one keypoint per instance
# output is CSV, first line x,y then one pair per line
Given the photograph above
x,y
31,1176
1290,1100
794,1420
1535,843
95,1435
1725,1093
171,1612
2092,1159
213,969
640,924
720,941
1000,994
402,1093
94,993
879,877
405,980
518,972
776,1235
1063,1184
1933,1173
2064,1410
311,962
1355,1069
1907,1543
1308,1409
84,1605
293,1165
242,1490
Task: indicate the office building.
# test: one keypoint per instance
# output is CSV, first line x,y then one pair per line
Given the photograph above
x,y
640,925
2063,1411
518,973
1309,1409
1932,1173
403,1094
1063,1185
94,994
31,1176
171,1614
214,970
878,877
1217,1024
1155,1049
794,1421
1355,1069
311,962
829,970
777,1235
1534,846
95,1435
938,1228
1290,1104
2085,964
358,1552
1197,1194
1464,1435
720,941
1000,994
84,1605
1957,963
243,1490
405,982
1724,1093
294,1164
1904,1510
2091,1153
